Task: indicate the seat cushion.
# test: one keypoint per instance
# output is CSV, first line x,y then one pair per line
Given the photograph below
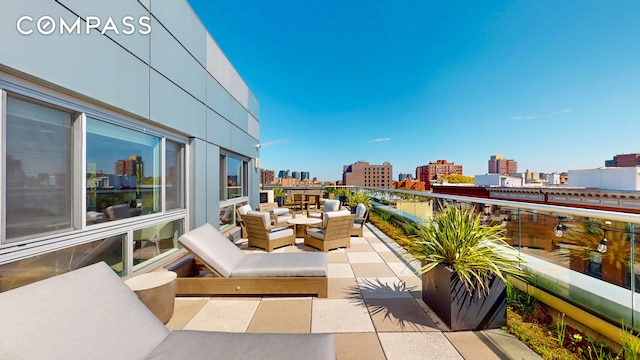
x,y
189,344
282,264
280,233
218,252
316,233
284,218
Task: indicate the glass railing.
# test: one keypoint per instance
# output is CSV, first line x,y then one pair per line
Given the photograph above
x,y
585,257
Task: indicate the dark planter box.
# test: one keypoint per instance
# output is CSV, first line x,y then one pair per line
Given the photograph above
x,y
280,201
447,296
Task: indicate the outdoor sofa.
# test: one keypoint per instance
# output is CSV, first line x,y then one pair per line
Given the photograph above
x,y
90,313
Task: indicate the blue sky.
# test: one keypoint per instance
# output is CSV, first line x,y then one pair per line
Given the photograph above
x,y
554,85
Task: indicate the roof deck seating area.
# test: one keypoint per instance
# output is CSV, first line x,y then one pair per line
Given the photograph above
x,y
90,313
234,272
330,205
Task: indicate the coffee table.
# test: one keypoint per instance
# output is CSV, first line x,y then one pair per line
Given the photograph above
x,y
301,224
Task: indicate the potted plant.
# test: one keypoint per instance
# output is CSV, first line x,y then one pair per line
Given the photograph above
x,y
343,194
464,268
358,198
279,194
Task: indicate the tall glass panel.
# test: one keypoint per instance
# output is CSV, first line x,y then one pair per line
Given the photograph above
x,y
39,169
123,172
174,175
234,177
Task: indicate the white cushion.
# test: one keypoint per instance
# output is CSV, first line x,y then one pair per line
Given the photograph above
x,y
316,233
244,209
335,213
360,210
280,233
280,211
213,248
283,218
265,215
331,205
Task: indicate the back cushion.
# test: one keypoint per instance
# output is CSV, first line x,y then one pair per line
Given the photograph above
x,y
265,215
360,210
331,205
88,313
213,248
244,209
335,213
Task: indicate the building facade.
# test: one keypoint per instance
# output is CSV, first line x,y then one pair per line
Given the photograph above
x,y
436,171
142,85
362,173
499,165
267,177
623,160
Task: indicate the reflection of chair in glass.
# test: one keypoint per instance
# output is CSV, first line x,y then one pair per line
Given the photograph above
x,y
225,217
336,232
121,211
250,274
151,235
262,235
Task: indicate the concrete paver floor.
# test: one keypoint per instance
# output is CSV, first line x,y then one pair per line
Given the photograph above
x,y
374,309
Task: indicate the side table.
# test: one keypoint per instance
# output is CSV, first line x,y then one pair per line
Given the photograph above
x,y
157,290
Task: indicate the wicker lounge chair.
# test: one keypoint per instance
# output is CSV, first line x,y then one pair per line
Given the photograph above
x,y
238,273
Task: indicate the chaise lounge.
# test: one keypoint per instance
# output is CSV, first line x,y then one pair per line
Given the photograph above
x,y
237,273
90,313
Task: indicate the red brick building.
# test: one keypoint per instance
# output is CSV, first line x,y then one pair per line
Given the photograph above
x,y
408,184
362,173
436,171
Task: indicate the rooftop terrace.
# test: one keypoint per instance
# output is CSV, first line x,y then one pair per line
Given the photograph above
x,y
374,309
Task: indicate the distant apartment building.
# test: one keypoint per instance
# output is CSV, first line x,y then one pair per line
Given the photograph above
x,y
267,177
304,175
623,160
436,171
284,174
500,165
408,184
625,178
362,173
405,176
295,175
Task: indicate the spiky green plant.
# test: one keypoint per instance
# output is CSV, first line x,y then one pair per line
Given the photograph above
x,y
457,239
279,192
358,198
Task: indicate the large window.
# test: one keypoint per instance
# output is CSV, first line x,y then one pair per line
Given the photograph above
x,y
234,173
38,169
123,172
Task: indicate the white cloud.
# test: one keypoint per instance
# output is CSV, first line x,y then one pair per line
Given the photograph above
x,y
516,118
380,140
560,112
531,117
274,142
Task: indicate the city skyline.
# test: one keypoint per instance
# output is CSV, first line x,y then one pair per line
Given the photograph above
x,y
542,82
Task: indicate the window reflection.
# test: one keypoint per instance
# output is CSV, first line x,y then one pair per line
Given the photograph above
x,y
155,240
38,177
174,170
123,172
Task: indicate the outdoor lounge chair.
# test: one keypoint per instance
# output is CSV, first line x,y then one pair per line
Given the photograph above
x,y
261,234
335,234
90,313
329,206
238,273
362,212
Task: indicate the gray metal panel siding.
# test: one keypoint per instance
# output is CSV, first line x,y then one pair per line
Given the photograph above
x,y
173,61
197,183
184,25
173,107
218,130
213,185
218,98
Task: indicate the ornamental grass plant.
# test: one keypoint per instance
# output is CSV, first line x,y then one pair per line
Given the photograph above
x,y
457,239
